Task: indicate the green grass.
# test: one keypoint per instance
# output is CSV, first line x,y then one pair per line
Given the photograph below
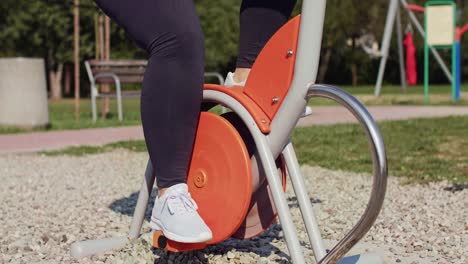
x,y
62,116
62,113
135,145
422,150
396,89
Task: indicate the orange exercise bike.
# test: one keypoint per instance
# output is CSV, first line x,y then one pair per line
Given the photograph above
x,y
238,169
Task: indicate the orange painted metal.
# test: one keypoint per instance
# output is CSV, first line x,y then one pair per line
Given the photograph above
x,y
272,72
160,241
237,92
262,211
219,179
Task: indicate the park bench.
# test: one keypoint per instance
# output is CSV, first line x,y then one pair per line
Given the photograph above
x,y
118,72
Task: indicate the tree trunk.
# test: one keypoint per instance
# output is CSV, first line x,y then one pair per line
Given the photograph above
x,y
55,78
354,74
324,66
67,81
105,88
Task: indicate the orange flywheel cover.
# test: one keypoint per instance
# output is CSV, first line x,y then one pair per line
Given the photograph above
x,y
220,176
262,211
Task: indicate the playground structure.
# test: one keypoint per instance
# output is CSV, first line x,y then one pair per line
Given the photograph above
x,y
439,25
394,17
459,31
238,169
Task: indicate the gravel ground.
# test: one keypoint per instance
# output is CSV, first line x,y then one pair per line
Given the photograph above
x,y
50,202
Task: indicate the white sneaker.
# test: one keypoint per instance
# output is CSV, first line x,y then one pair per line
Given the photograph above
x,y
229,81
175,214
307,111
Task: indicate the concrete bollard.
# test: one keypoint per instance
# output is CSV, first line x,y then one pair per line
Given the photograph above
x,y
23,92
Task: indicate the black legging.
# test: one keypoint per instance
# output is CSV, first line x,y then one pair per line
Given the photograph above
x,y
172,87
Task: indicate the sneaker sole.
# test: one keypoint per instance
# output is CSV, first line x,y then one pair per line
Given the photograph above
x,y
156,225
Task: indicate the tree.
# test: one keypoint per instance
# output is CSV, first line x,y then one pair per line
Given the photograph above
x,y
220,23
41,28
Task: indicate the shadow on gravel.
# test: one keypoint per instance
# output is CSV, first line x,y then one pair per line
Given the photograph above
x,y
127,205
260,245
456,187
166,257
293,203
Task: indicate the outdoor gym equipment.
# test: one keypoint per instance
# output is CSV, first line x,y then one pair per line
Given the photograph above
x,y
238,169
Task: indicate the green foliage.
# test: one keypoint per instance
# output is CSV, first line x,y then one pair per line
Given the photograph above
x,y
220,23
38,29
44,28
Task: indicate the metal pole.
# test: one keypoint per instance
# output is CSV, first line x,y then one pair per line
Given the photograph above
x,y
454,71
106,56
401,56
96,37
458,69
107,37
101,37
305,72
426,72
387,37
102,53
142,202
76,31
307,211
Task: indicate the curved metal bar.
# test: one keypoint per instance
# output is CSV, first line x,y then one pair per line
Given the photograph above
x,y
118,90
379,158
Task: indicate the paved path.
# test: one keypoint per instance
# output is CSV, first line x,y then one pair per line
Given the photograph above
x,y
335,115
40,141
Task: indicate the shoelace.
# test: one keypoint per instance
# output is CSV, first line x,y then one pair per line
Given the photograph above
x,y
181,203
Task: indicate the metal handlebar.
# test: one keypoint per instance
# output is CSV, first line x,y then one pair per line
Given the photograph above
x,y
380,167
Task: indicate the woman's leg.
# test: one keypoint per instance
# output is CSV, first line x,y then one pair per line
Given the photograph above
x,y
170,103
172,88
259,20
